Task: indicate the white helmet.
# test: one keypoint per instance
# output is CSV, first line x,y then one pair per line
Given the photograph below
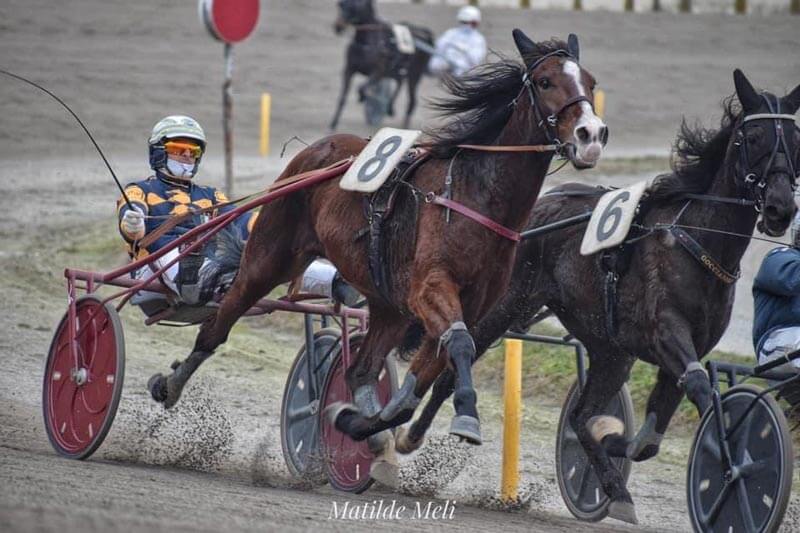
x,y
469,14
174,127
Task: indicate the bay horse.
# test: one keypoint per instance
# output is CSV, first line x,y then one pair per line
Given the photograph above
x,y
444,275
671,309
373,53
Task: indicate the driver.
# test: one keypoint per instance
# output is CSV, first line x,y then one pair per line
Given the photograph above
x,y
461,48
776,295
176,145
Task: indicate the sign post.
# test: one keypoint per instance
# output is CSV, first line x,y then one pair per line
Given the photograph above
x,y
229,21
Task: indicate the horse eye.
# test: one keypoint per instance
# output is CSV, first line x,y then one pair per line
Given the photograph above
x,y
544,83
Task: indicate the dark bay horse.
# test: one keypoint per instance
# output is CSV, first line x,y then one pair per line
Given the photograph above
x,y
670,309
444,276
373,53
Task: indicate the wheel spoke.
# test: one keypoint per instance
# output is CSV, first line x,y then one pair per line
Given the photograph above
x,y
744,504
710,445
717,506
582,486
744,435
758,468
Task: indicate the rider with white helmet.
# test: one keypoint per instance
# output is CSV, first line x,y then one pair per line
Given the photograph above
x,y
462,48
776,295
176,146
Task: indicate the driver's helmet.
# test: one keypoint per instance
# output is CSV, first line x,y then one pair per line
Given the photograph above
x,y
175,127
796,230
468,14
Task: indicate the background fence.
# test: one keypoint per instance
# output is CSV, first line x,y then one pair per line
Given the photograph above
x,y
694,6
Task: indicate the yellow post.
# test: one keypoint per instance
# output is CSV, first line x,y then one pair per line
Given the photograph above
x,y
600,103
266,104
740,6
525,4
512,417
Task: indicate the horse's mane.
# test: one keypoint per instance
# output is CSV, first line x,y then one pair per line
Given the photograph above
x,y
479,103
698,154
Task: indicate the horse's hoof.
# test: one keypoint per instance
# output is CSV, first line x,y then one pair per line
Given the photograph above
x,y
404,444
624,511
385,473
468,428
157,385
603,425
335,409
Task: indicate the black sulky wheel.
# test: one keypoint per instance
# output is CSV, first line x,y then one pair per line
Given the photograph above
x,y
753,494
580,488
300,408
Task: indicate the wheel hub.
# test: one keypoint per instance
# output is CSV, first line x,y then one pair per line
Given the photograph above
x,y
80,376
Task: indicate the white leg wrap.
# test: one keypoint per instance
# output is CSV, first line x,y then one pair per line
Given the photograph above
x,y
318,278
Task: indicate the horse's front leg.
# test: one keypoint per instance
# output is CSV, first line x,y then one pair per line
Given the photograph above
x,y
678,357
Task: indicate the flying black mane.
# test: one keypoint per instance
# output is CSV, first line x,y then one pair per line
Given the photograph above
x,y
698,156
479,103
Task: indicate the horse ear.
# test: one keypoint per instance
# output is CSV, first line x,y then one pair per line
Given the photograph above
x,y
572,46
745,91
525,46
792,100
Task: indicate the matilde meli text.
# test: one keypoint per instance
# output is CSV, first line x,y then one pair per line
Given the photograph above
x,y
391,510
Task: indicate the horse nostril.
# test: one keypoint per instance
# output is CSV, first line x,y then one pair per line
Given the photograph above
x,y
604,135
582,134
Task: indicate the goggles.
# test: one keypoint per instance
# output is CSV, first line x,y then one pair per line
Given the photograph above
x,y
179,148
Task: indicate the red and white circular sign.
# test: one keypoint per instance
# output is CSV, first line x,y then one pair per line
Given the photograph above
x,y
230,21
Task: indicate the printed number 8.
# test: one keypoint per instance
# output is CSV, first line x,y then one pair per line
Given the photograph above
x,y
612,210
374,165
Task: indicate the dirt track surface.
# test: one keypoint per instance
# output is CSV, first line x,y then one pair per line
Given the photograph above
x,y
215,462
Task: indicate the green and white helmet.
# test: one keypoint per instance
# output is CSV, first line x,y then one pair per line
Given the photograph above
x,y
173,127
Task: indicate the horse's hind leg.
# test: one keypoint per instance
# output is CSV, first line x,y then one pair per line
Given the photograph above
x,y
661,405
263,268
605,378
413,80
347,76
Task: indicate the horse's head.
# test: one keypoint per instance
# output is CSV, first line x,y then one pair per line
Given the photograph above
x,y
766,143
353,12
561,93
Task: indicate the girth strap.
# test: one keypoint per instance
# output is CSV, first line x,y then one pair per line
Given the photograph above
x,y
701,254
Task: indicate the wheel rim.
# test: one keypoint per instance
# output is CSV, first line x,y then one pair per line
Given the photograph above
x,y
300,422
579,482
347,462
752,499
80,402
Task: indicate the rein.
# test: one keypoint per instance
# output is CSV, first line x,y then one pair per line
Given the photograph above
x,y
170,223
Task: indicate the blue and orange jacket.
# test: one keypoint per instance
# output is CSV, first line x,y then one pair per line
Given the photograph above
x,y
776,293
160,197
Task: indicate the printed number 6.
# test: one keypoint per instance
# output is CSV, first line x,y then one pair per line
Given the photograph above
x,y
611,210
374,165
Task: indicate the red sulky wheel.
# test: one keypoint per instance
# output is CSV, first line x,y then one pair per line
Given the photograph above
x,y
79,402
348,462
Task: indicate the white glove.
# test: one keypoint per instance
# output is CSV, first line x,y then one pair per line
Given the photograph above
x,y
133,223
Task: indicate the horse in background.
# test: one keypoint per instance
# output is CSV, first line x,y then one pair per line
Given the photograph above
x,y
670,309
374,53
446,271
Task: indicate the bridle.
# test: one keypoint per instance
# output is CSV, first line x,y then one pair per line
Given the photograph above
x,y
780,158
548,121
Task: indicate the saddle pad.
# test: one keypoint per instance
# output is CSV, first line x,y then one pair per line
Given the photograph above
x,y
378,159
611,219
403,39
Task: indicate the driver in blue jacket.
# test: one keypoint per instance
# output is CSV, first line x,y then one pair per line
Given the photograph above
x,y
776,295
176,146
